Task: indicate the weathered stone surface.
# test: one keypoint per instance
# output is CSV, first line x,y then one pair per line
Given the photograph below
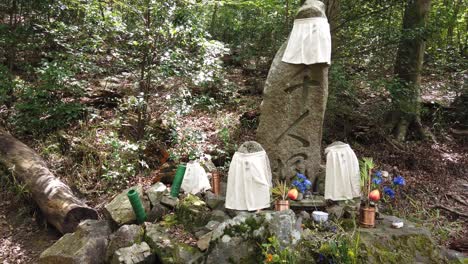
x,y
236,240
292,111
208,165
193,213
204,241
120,210
169,201
86,245
234,250
283,226
250,147
134,254
125,236
167,250
156,192
156,213
218,215
409,244
308,204
214,201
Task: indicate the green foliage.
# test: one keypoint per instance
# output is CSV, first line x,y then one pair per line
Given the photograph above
x,y
342,250
274,254
50,104
122,160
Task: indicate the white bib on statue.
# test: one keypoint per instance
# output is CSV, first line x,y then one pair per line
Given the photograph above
x,y
249,181
195,179
342,180
309,42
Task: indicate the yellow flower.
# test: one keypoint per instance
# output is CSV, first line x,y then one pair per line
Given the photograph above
x,y
351,254
269,258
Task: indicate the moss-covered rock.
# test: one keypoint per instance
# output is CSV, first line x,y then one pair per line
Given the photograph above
x,y
409,244
167,249
86,245
193,213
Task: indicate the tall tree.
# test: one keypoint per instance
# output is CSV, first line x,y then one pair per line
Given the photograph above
x,y
408,65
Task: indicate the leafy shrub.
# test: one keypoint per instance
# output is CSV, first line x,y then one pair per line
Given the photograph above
x,y
49,104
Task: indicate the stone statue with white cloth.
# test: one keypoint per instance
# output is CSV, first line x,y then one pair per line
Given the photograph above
x,y
295,96
342,180
249,179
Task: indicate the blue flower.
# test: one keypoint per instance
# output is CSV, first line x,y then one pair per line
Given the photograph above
x,y
301,176
399,180
295,183
378,174
377,180
307,183
389,191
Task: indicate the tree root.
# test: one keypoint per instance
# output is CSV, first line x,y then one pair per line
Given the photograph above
x,y
450,210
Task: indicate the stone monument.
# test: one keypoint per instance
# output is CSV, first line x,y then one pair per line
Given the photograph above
x,y
295,97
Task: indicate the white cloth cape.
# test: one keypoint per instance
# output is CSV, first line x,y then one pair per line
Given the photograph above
x,y
195,179
342,180
249,181
309,42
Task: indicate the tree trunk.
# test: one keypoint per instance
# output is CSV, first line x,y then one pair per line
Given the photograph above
x,y
408,66
55,199
333,15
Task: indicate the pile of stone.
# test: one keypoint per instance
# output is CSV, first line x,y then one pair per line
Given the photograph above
x,y
198,229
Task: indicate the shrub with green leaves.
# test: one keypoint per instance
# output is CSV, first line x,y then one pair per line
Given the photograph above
x,y
49,104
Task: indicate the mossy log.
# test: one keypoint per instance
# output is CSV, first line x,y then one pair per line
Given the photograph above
x,y
55,199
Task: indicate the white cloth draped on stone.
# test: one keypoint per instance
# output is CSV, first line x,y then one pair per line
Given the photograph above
x,y
342,180
195,179
309,42
249,181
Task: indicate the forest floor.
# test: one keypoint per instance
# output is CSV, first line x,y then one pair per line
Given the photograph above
x,y
436,172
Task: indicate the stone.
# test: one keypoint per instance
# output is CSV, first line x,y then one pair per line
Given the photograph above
x,y
169,201
193,213
283,226
409,244
292,111
305,215
208,165
86,245
218,215
120,210
235,250
212,225
308,204
320,180
168,250
157,213
250,147
134,254
156,192
237,240
125,236
214,201
204,241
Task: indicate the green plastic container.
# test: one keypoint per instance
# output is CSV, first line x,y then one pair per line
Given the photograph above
x,y
179,177
137,206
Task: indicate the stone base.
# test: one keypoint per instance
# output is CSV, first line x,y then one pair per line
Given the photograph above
x,y
317,202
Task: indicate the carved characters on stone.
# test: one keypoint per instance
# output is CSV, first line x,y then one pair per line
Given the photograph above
x,y
293,107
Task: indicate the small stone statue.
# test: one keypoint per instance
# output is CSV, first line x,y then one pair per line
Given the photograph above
x,y
249,179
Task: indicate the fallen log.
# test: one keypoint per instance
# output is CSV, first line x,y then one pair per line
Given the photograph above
x,y
55,199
